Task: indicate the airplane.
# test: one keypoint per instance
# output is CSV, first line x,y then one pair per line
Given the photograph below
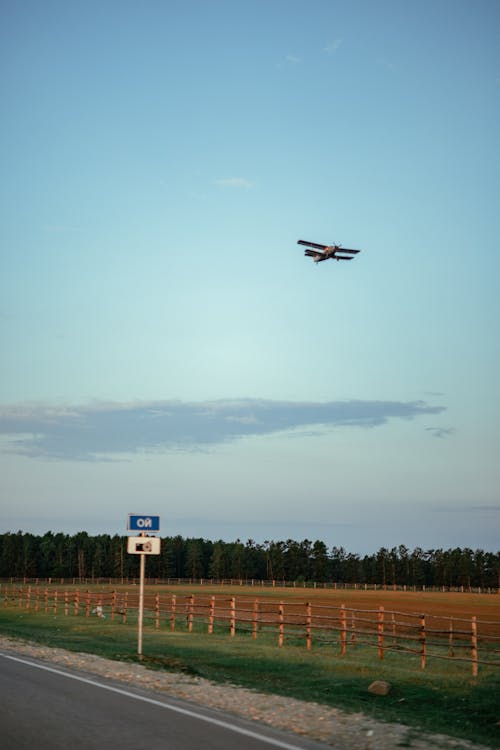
x,y
323,252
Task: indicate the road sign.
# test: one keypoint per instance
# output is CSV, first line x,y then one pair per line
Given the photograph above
x,y
143,545
143,523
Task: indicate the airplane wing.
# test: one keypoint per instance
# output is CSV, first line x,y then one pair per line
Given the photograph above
x,y
342,257
312,244
346,250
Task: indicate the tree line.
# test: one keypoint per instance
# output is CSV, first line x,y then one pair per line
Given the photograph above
x,y
58,555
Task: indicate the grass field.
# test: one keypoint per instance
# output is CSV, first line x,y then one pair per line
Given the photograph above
x,y
445,698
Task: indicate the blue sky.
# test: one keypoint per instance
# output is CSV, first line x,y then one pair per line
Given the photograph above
x,y
165,346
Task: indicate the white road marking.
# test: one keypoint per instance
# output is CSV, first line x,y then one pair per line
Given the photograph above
x,y
161,704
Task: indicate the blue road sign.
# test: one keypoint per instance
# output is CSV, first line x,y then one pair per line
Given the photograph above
x,y
143,523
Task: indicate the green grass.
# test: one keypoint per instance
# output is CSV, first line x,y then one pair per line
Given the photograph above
x,y
445,698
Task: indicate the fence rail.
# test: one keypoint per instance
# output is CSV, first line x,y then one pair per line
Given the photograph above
x,y
301,623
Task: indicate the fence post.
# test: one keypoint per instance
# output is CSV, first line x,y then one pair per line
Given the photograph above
x,y
255,618
343,630
76,603
190,613
233,616
46,599
423,645
380,629
172,612
450,638
66,603
157,611
281,620
125,607
353,628
55,602
308,626
87,603
211,615
474,645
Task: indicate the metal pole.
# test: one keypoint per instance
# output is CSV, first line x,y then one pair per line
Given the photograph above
x,y
141,603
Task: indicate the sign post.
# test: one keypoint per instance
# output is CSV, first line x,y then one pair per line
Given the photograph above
x,y
142,545
140,616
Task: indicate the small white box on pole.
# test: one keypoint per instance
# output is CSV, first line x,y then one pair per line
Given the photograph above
x,y
143,545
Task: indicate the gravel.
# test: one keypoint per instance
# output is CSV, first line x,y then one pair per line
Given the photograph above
x,y
332,726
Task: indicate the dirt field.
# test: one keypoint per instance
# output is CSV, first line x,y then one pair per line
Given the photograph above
x,y
447,604
438,607
450,604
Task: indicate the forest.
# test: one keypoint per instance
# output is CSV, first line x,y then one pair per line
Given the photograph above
x,y
81,556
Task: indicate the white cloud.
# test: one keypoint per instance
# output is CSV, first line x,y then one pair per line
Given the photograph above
x,y
235,182
289,61
331,48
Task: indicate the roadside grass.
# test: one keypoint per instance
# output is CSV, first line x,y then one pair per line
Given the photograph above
x,y
445,698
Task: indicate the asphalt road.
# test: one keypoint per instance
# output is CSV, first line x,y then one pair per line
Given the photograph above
x,y
50,708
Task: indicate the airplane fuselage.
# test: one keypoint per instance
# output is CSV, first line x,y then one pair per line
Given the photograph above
x,y
331,250
328,252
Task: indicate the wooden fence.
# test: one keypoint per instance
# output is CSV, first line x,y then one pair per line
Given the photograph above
x,y
290,622
252,582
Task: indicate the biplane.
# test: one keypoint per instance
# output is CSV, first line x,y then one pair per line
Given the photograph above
x,y
323,252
